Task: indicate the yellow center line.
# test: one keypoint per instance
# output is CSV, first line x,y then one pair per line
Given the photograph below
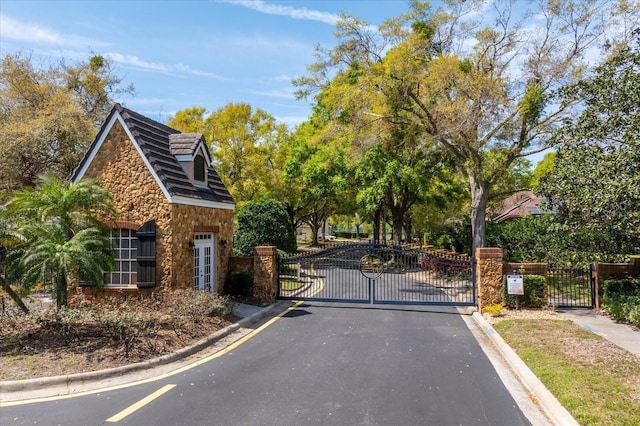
x,y
138,405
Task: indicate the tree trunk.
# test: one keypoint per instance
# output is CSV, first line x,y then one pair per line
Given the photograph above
x,y
61,291
7,288
479,197
377,219
408,228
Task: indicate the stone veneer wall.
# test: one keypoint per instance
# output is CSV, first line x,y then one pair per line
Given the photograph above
x,y
138,198
187,220
265,275
488,276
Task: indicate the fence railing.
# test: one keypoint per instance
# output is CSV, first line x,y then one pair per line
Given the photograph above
x,y
568,287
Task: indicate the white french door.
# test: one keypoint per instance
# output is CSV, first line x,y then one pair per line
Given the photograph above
x,y
204,268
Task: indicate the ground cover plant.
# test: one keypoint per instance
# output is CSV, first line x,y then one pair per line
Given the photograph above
x,y
91,334
598,382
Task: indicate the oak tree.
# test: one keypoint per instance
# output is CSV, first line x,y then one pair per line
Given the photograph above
x,y
481,89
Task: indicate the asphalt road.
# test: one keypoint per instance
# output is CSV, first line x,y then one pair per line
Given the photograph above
x,y
318,364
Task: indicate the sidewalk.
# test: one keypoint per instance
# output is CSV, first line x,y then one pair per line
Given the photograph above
x,y
622,335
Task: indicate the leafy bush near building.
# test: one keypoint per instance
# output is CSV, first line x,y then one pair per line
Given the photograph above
x,y
240,284
534,292
621,299
263,223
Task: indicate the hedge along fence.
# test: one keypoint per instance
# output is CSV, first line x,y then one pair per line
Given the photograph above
x,y
536,289
535,292
621,298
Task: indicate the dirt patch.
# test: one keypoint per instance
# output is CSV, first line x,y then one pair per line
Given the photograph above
x,y
90,335
27,353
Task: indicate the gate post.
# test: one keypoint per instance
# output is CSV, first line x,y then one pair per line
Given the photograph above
x,y
488,276
265,273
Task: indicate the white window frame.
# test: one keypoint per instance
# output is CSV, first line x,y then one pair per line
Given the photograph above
x,y
125,272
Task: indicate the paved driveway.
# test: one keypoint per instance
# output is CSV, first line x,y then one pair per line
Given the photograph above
x,y
318,364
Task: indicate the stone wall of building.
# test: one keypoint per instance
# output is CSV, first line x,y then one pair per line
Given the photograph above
x,y
119,168
188,220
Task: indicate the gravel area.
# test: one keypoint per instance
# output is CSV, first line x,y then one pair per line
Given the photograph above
x,y
528,313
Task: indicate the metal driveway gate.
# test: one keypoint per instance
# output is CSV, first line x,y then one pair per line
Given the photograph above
x,y
378,274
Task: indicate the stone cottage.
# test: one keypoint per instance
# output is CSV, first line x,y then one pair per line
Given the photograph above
x,y
174,227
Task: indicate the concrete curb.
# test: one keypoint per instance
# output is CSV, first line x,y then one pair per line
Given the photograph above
x,y
78,378
542,396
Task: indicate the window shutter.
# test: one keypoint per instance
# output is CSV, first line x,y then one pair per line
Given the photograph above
x,y
146,255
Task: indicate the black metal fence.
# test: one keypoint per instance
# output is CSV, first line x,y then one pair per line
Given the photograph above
x,y
571,287
566,286
377,273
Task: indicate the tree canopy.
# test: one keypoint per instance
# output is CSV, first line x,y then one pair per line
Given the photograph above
x,y
244,144
50,114
485,93
595,182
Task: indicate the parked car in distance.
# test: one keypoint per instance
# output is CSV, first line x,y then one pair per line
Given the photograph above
x,y
327,237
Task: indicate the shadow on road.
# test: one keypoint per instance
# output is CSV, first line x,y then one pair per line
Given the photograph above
x,y
448,310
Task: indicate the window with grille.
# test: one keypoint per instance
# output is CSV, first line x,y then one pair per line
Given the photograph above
x,y
124,243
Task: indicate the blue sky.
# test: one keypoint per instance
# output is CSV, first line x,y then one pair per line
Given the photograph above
x,y
179,54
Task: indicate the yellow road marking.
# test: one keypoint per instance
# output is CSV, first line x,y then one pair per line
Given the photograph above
x,y
138,405
160,377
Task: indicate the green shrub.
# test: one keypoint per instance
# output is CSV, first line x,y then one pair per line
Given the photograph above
x,y
623,308
445,241
263,223
621,299
240,284
628,287
534,292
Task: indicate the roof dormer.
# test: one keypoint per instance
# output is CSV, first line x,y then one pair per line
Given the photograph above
x,y
191,152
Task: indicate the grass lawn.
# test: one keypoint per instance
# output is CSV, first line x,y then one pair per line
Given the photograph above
x,y
598,382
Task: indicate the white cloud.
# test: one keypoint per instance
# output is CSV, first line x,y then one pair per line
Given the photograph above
x,y
16,30
282,77
285,93
147,101
12,29
291,121
163,68
292,12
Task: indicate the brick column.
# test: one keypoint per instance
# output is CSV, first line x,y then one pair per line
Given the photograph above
x,y
488,276
265,275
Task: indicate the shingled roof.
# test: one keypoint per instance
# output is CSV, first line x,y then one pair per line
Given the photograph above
x,y
185,143
152,139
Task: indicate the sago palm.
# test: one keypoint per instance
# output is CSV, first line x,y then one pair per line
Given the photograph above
x,y
61,234
49,255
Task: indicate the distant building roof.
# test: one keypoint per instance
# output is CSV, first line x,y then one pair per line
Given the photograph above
x,y
522,203
153,141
